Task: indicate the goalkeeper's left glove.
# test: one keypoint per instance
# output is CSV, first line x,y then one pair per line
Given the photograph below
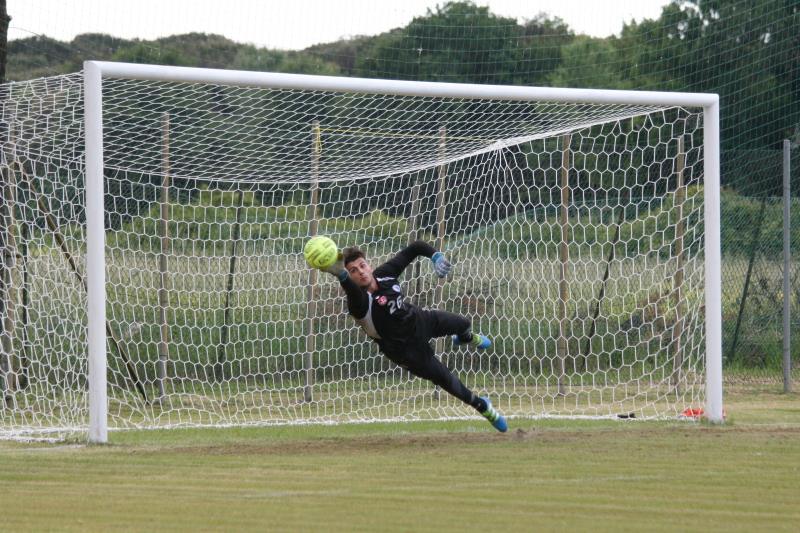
x,y
441,265
337,269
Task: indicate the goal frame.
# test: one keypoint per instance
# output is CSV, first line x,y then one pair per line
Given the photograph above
x,y
96,71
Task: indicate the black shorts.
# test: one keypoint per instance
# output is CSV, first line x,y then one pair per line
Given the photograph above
x,y
417,356
417,352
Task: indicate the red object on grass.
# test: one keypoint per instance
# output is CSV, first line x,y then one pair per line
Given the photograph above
x,y
697,412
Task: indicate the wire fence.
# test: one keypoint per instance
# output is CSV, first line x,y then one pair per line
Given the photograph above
x,y
753,265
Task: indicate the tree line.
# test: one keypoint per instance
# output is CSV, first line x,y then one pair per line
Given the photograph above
x,y
744,50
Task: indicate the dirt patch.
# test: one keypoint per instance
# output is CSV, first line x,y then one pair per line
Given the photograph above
x,y
411,441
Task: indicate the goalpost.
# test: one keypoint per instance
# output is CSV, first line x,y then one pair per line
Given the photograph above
x,y
166,208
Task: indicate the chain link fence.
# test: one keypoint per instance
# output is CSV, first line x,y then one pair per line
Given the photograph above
x,y
753,265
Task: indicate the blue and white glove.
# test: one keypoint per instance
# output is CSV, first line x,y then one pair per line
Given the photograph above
x,y
441,265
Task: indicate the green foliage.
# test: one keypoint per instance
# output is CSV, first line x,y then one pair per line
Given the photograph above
x,y
344,53
209,222
648,227
460,41
147,53
748,221
38,56
740,49
200,49
41,56
588,62
249,57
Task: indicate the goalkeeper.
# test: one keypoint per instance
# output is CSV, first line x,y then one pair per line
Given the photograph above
x,y
402,330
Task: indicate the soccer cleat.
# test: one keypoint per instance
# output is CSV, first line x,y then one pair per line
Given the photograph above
x,y
496,419
479,341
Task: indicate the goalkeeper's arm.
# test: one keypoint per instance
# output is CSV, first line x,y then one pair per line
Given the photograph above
x,y
357,299
395,266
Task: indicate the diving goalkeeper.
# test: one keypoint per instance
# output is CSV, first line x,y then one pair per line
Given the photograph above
x,y
402,330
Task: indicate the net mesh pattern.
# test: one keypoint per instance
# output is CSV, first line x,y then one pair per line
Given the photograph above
x,y
576,232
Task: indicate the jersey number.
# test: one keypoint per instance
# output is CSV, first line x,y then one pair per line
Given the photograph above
x,y
394,305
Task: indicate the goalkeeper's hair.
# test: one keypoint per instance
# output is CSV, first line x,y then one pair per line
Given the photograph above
x,y
351,253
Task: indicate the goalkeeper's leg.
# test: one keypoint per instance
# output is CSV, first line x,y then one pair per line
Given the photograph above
x,y
420,360
442,323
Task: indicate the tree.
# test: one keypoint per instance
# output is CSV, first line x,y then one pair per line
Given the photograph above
x,y
4,20
38,56
200,49
343,53
261,59
144,52
458,42
6,235
746,51
543,41
588,62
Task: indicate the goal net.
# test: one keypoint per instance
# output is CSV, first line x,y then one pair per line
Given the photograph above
x,y
577,231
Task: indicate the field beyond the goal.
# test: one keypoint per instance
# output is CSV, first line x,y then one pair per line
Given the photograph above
x,y
562,475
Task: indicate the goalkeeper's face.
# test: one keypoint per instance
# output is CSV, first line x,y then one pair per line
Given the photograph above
x,y
361,273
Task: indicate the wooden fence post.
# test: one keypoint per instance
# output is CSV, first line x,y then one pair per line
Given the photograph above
x,y
563,281
313,288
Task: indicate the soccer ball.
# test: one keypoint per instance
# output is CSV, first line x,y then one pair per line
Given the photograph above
x,y
320,252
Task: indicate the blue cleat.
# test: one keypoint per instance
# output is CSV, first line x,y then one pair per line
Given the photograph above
x,y
479,341
496,419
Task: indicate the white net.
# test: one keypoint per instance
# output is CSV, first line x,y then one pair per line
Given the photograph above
x,y
576,231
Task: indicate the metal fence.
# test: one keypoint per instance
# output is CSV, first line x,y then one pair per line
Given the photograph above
x,y
754,275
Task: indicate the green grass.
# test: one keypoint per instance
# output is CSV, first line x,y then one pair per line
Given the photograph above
x,y
542,475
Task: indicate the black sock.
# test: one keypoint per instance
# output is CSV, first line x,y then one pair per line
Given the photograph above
x,y
479,404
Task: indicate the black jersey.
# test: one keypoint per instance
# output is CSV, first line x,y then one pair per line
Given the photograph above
x,y
385,314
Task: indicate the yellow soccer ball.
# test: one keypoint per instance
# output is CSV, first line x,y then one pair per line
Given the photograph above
x,y
320,252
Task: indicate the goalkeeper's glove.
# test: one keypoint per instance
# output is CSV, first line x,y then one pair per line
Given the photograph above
x,y
441,265
337,269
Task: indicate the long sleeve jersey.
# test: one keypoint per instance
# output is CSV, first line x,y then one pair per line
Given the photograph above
x,y
385,314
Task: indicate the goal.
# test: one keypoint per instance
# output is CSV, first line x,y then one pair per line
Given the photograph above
x,y
153,220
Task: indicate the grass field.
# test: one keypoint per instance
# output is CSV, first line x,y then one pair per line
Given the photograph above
x,y
544,475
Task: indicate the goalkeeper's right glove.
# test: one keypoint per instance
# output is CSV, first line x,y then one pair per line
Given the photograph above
x,y
337,269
